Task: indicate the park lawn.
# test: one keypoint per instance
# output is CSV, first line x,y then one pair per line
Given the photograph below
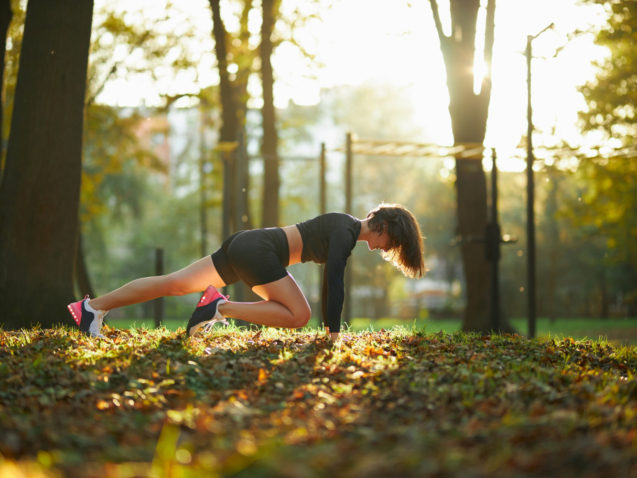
x,y
289,403
617,330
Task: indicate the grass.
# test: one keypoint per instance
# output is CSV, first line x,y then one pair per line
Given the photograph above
x,y
272,402
617,330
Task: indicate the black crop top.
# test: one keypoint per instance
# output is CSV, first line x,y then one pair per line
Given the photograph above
x,y
329,239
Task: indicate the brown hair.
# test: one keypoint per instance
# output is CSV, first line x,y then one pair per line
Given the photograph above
x,y
406,241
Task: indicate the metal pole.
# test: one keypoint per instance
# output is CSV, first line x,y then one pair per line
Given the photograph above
x,y
240,187
347,306
239,202
348,174
530,191
322,210
159,271
227,188
495,258
202,182
323,182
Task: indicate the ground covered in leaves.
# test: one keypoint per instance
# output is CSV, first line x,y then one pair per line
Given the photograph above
x,y
287,403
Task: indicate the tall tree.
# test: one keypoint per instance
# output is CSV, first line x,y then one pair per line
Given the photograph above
x,y
40,191
469,112
109,139
229,107
234,98
270,137
233,87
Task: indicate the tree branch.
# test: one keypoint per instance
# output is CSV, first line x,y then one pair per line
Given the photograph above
x,y
441,33
114,68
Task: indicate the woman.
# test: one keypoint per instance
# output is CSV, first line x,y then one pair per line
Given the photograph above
x,y
259,258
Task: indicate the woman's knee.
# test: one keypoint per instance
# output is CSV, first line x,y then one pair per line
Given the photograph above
x,y
301,317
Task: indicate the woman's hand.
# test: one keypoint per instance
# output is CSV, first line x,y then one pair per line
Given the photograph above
x,y
331,335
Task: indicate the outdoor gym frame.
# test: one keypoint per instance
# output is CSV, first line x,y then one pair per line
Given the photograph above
x,y
235,159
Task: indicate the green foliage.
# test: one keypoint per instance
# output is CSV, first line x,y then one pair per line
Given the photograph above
x,y
110,141
121,48
132,198
125,48
612,96
246,403
603,208
132,43
579,273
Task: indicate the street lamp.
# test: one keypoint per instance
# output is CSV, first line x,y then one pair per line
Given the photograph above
x,y
530,190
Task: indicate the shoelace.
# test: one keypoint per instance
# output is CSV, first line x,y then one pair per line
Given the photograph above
x,y
208,327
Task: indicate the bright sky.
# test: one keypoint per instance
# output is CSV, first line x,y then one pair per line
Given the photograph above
x,y
360,40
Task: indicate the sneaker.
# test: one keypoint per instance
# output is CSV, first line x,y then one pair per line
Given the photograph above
x,y
207,311
87,320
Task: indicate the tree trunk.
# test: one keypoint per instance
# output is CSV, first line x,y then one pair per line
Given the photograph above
x,y
233,117
472,217
233,94
469,112
229,116
40,192
270,139
244,59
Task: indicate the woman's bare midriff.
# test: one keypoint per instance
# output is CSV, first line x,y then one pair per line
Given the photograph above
x,y
295,243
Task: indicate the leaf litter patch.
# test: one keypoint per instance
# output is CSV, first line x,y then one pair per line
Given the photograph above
x,y
290,403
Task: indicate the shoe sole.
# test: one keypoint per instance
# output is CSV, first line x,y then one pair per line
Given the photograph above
x,y
195,328
76,311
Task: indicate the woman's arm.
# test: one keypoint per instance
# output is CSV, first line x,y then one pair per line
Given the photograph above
x,y
342,241
324,293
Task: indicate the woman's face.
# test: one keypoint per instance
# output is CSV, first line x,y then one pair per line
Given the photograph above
x,y
379,240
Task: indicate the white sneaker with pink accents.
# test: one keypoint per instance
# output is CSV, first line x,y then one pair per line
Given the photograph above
x,y
207,311
87,319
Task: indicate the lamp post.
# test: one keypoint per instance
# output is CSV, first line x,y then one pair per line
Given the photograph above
x,y
530,190
349,161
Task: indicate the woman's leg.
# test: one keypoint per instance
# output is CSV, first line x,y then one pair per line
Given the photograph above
x,y
194,278
284,306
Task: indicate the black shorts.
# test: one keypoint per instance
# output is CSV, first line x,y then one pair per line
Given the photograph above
x,y
256,257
